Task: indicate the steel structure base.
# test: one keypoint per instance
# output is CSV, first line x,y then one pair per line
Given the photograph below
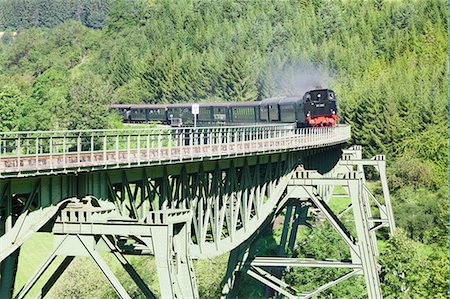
x,y
303,194
84,228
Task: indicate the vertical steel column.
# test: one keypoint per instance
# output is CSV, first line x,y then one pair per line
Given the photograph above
x,y
386,195
184,269
161,244
365,198
8,266
8,273
285,231
368,257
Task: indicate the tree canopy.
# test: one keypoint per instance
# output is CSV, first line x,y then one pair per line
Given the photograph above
x,y
62,62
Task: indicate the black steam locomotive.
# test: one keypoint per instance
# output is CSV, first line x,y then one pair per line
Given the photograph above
x,y
315,108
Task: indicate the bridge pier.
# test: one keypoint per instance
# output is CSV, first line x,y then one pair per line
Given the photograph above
x,y
304,190
83,228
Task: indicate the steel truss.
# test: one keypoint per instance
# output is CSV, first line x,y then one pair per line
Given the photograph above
x,y
83,228
303,193
227,200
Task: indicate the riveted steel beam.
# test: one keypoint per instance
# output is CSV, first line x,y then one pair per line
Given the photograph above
x,y
263,261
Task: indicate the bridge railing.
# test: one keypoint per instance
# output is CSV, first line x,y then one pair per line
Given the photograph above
x,y
47,150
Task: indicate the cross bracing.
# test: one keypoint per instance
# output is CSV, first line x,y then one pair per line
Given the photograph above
x,y
232,188
303,193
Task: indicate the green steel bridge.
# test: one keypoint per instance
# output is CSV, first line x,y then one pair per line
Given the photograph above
x,y
181,194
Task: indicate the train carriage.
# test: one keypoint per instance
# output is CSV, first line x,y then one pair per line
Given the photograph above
x,y
270,110
180,113
244,112
205,114
290,110
220,113
315,108
156,113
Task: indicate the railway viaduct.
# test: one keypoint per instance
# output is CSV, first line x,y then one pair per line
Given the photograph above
x,y
183,194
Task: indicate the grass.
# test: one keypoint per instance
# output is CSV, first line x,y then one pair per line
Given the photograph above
x,y
146,125
83,279
32,254
35,250
338,204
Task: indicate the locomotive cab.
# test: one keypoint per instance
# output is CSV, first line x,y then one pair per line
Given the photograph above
x,y
320,108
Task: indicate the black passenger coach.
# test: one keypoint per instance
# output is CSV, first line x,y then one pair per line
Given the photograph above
x,y
315,108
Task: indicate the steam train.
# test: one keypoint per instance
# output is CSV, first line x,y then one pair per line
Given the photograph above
x,y
316,108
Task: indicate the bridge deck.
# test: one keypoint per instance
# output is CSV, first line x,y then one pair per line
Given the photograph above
x,y
34,153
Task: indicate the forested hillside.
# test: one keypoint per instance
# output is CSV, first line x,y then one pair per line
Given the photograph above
x,y
20,14
387,61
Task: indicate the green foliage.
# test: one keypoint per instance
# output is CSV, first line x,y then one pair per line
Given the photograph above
x,y
387,61
85,113
431,147
437,270
235,80
422,214
125,14
47,106
210,273
412,270
403,274
412,171
83,279
10,100
20,14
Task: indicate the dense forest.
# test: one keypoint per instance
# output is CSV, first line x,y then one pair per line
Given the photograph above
x,y
62,62
21,14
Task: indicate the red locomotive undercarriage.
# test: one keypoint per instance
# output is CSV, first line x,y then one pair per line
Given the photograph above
x,y
322,120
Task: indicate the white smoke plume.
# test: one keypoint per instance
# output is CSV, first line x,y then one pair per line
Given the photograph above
x,y
296,79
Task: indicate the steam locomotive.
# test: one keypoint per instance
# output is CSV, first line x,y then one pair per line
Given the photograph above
x,y
315,108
